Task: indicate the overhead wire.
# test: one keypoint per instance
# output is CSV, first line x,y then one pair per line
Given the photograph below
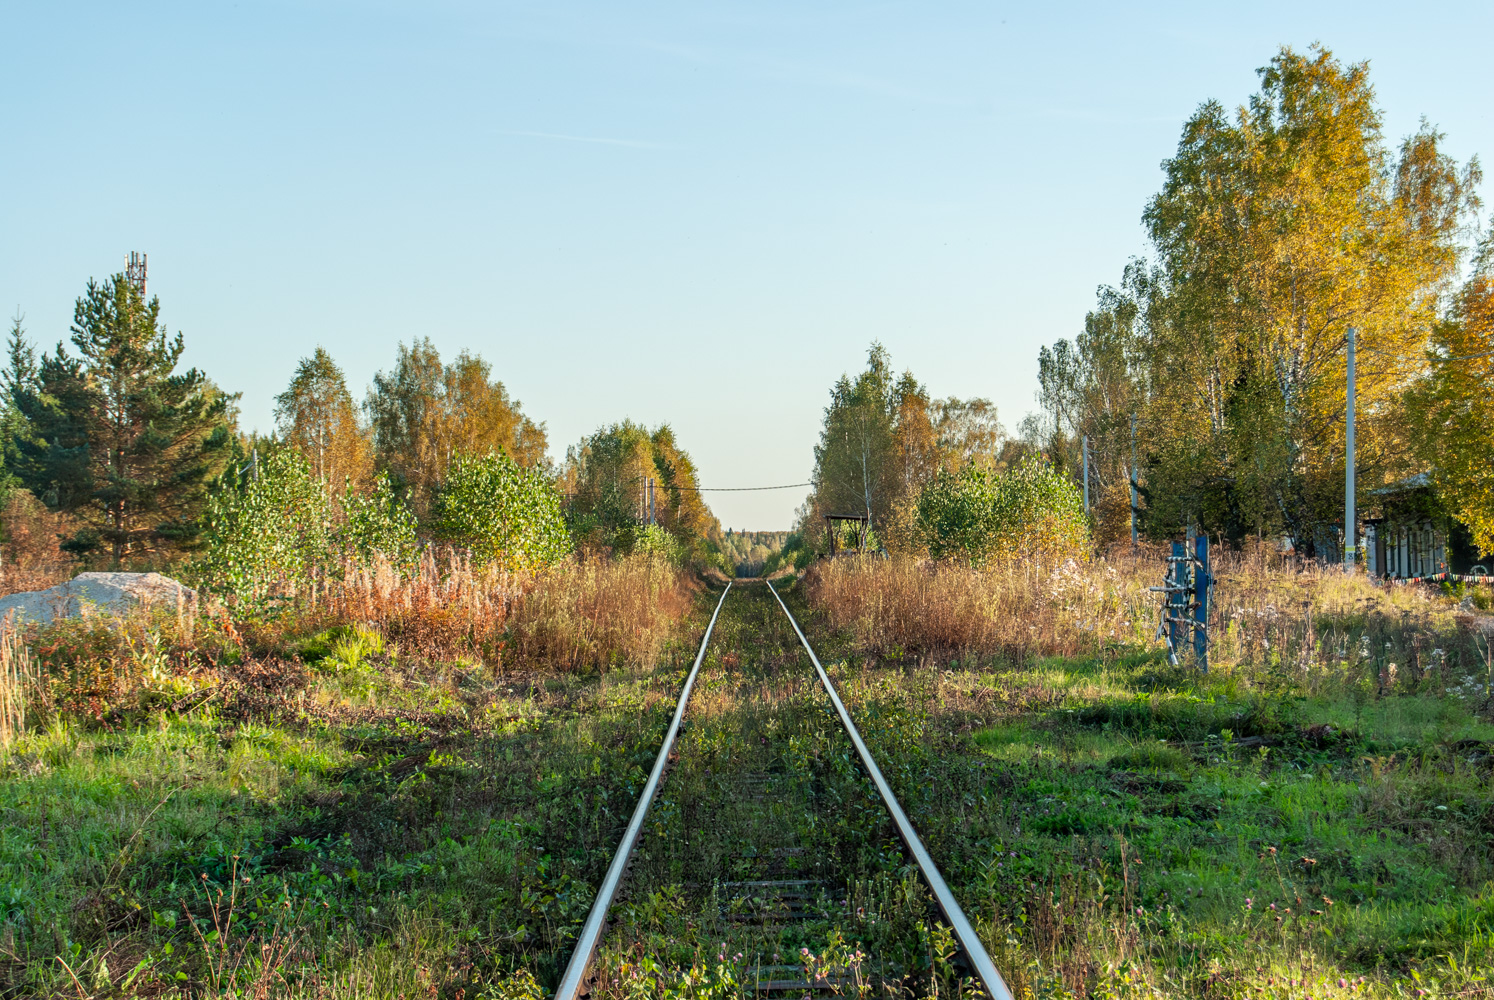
x,y
1424,357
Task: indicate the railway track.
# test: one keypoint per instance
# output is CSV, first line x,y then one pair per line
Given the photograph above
x,y
758,833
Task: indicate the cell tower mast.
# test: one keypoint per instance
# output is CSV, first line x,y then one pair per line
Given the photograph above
x,y
135,271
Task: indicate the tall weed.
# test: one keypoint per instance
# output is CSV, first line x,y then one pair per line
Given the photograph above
x,y
598,614
23,692
1291,622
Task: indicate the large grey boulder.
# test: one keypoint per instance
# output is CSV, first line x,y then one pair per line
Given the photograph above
x,y
95,593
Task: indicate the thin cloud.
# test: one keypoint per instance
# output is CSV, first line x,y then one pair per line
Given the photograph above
x,y
594,139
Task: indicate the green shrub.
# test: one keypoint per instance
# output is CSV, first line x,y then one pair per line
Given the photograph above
x,y
652,540
272,527
502,513
1032,511
277,527
378,524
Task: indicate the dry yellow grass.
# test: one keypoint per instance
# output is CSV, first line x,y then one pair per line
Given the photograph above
x,y
1267,609
583,614
891,606
598,614
21,689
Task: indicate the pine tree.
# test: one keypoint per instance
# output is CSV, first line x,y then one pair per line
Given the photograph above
x,y
120,438
18,377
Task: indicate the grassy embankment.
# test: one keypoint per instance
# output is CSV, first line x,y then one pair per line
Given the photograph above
x,y
340,800
422,786
1314,817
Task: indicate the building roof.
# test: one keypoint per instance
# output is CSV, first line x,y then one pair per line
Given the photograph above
x,y
1422,480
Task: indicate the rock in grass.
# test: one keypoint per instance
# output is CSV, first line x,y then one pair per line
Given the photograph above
x,y
95,593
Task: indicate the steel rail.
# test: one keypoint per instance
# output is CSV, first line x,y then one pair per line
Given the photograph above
x,y
965,934
572,983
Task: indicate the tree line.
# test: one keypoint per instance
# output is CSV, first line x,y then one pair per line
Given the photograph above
x,y
1221,362
145,464
929,475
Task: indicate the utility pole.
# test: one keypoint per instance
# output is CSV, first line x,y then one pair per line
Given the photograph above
x,y
1133,482
651,500
1086,473
1351,532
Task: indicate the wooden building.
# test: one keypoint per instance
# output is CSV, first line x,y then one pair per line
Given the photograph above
x,y
1410,537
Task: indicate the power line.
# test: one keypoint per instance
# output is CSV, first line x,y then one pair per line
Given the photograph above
x,y
718,489
740,489
1425,357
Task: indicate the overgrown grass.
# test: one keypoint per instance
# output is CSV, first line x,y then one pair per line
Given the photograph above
x,y
410,824
425,824
1314,811
1280,620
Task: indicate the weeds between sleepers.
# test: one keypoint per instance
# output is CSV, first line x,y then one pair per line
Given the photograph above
x,y
766,793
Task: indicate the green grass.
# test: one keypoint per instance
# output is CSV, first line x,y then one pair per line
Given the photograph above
x,y
1062,797
410,824
1112,825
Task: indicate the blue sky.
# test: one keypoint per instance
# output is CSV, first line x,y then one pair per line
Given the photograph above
x,y
693,213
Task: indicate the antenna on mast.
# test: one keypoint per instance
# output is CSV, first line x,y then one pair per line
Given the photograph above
x,y
135,271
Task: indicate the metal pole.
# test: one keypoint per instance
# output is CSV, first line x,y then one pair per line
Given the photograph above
x,y
1133,482
1086,473
1351,532
1177,600
1201,581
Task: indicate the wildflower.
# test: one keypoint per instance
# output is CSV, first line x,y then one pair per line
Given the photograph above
x,y
1343,983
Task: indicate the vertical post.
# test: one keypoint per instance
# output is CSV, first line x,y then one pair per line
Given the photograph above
x,y
1086,473
650,500
1176,600
1351,527
1133,482
1201,582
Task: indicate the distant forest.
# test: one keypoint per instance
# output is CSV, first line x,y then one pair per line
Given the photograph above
x,y
749,551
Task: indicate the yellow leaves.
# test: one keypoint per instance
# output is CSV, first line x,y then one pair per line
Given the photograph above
x,y
1280,229
1454,411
